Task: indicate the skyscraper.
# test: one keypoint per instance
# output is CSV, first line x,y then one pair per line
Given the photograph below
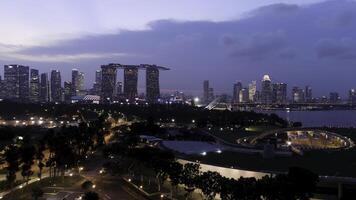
x,y
24,82
77,82
11,80
67,91
206,91
44,91
298,95
352,97
34,85
266,91
152,84
308,94
252,91
279,93
119,88
16,78
130,81
236,92
108,82
97,83
243,95
56,86
334,97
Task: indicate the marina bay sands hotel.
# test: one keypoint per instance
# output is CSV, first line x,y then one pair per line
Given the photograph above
x,y
109,87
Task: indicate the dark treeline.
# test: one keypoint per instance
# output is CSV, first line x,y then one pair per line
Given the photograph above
x,y
298,183
158,113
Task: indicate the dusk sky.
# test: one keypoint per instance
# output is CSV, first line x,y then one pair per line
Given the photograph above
x,y
300,42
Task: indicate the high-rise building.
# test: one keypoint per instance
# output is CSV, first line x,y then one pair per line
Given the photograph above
x,y
334,97
308,94
298,95
67,91
16,78
44,91
243,95
152,84
2,88
279,93
130,82
34,85
97,83
236,92
24,83
266,91
108,82
56,86
119,88
252,88
77,82
352,96
11,80
206,91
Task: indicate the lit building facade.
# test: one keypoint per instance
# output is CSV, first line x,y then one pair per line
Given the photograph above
x,y
266,90
152,84
34,85
108,81
130,82
56,86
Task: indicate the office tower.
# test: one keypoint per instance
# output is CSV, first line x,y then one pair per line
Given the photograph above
x,y
266,91
298,95
252,87
56,86
308,94
119,88
97,83
243,95
206,91
24,82
352,97
11,80
77,82
152,84
130,82
2,88
44,91
211,94
34,85
236,92
98,77
67,91
334,97
108,81
279,93
16,80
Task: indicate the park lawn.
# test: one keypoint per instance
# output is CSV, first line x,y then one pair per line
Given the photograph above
x,y
26,192
331,163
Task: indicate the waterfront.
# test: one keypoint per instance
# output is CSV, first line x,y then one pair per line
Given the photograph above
x,y
335,118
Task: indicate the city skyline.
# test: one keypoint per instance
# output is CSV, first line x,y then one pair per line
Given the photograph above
x,y
232,44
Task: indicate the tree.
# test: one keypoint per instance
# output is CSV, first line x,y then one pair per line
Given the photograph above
x,y
37,192
87,185
12,156
91,196
175,174
39,157
190,175
210,184
302,182
27,157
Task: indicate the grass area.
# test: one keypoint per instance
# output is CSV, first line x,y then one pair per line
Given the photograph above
x,y
26,192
